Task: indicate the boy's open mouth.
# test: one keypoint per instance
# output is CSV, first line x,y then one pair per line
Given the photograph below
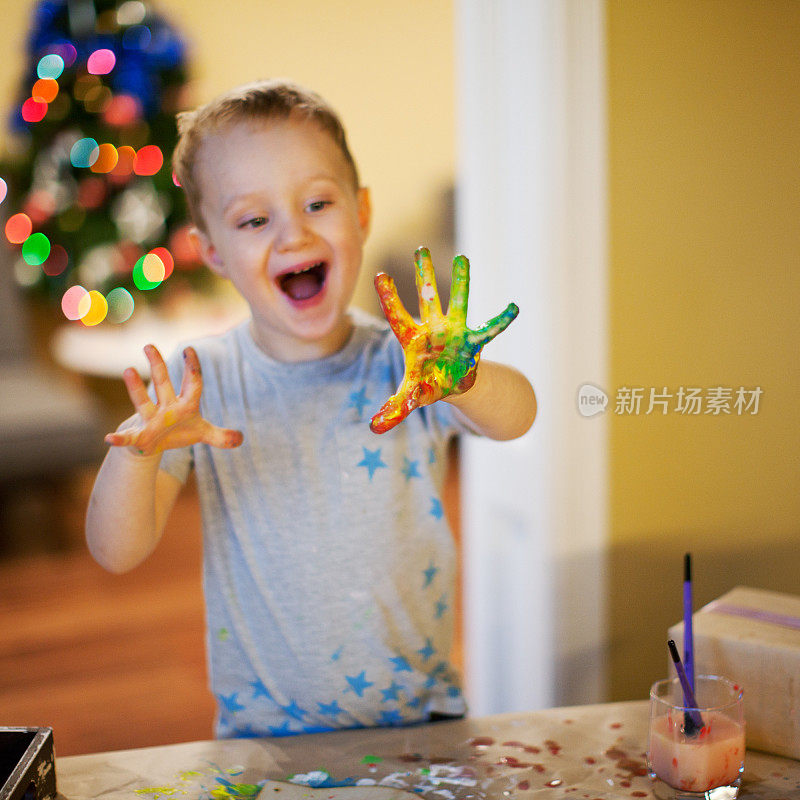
x,y
305,283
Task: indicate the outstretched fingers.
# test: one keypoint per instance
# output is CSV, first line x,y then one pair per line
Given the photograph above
x,y
459,291
226,438
430,308
395,409
395,312
192,382
159,375
481,336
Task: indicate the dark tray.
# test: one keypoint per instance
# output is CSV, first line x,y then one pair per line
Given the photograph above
x,y
27,764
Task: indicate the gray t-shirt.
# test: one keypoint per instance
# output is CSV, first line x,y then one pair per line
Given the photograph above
x,y
329,566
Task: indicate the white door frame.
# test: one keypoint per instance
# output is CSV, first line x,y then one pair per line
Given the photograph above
x,y
531,190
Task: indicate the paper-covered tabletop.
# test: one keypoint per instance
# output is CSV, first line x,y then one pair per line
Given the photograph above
x,y
582,752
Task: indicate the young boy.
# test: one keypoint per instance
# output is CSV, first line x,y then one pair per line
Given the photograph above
x,y
328,565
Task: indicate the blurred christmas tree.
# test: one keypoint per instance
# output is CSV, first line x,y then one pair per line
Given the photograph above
x,y
92,208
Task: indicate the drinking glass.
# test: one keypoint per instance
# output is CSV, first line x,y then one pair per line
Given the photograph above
x,y
697,752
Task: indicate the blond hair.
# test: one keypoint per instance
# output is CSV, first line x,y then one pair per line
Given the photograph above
x,y
261,100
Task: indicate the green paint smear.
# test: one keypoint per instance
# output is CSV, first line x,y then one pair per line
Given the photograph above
x,y
237,790
157,791
371,760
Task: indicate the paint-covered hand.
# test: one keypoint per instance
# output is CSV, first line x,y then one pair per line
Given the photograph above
x,y
441,353
173,420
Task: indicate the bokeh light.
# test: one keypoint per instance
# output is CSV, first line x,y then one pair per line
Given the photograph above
x,y
153,268
3,190
45,90
120,305
71,302
67,51
96,99
92,192
98,308
131,12
125,157
101,62
84,152
166,259
40,205
36,249
140,280
33,110
149,160
18,228
83,85
123,109
57,261
137,37
50,66
107,158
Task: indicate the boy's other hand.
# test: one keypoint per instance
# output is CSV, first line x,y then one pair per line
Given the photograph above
x,y
441,353
173,420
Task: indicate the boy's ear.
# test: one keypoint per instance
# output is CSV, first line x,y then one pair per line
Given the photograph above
x,y
207,251
364,210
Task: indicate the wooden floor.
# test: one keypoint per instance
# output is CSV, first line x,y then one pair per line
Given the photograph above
x,y
110,662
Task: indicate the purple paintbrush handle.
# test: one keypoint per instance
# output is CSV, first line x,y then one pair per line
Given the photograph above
x,y
689,701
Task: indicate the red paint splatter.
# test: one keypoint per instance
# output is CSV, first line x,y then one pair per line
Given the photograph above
x,y
529,748
626,764
568,721
615,725
625,784
524,785
510,761
539,767
553,783
638,794
481,741
590,760
553,747
513,744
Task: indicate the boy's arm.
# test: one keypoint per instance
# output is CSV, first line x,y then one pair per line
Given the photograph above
x,y
132,497
501,403
128,509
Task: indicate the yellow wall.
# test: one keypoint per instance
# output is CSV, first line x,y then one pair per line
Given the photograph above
x,y
704,174
388,68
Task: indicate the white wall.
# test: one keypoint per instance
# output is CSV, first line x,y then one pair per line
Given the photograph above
x,y
531,218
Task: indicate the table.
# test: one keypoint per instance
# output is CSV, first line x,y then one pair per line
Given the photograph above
x,y
583,753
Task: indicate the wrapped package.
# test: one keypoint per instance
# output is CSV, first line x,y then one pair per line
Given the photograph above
x,y
752,637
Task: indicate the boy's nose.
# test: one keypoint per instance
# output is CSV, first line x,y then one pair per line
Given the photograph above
x,y
293,232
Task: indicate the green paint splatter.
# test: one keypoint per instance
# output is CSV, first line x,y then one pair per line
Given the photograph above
x,y
371,760
223,634
236,790
157,791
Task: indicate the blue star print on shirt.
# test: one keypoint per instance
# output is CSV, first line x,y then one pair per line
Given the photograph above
x,y
231,702
259,690
358,683
401,664
293,710
429,574
392,692
390,718
441,606
330,709
436,507
410,469
358,400
372,460
427,651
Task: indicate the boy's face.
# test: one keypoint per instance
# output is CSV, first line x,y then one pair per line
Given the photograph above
x,y
287,227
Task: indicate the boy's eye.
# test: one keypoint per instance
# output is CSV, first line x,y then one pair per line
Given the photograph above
x,y
318,205
253,222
